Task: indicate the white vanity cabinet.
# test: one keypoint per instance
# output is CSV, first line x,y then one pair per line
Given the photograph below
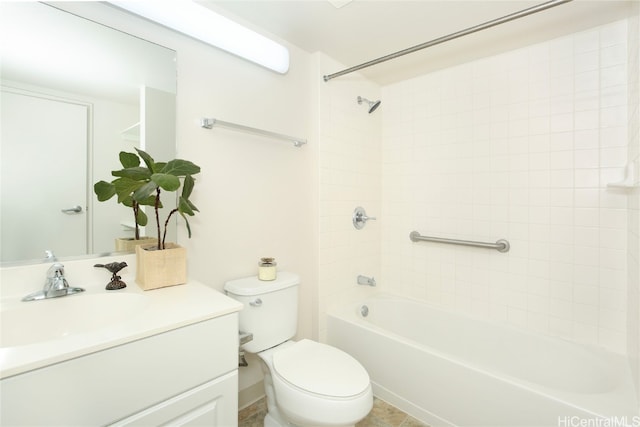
x,y
182,377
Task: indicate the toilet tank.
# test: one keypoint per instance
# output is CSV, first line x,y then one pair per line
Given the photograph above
x,y
270,310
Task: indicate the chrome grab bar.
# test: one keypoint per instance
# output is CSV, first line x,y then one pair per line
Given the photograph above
x,y
501,245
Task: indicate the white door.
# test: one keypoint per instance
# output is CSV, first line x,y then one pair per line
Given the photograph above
x,y
43,176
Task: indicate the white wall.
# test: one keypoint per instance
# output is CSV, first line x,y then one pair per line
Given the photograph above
x,y
518,146
256,196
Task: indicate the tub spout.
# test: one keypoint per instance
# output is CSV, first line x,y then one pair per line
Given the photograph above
x,y
364,280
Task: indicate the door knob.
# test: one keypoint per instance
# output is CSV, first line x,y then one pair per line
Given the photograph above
x,y
74,210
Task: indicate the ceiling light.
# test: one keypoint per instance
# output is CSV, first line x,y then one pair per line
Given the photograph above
x,y
205,25
339,3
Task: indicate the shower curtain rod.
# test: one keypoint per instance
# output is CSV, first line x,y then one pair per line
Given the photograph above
x,y
470,30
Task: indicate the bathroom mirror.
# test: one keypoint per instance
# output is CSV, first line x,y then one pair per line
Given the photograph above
x,y
74,94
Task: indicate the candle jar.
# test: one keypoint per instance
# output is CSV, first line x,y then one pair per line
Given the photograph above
x,y
267,269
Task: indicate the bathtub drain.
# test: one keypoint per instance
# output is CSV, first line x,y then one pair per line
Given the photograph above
x,y
364,310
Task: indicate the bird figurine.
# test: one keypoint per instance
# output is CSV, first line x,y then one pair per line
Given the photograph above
x,y
116,281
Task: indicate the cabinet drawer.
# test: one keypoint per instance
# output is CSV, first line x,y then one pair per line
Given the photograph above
x,y
212,404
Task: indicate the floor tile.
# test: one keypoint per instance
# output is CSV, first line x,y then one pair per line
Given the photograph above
x,y
382,415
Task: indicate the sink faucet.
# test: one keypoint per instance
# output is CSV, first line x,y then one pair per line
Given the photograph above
x,y
56,285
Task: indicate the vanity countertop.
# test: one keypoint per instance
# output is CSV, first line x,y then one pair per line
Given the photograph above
x,y
132,314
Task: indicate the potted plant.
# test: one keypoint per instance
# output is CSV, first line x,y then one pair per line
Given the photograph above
x,y
160,264
124,186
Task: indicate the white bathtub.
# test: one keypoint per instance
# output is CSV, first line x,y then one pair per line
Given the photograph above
x,y
448,369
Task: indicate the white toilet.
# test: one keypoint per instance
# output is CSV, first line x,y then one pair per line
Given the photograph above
x,y
307,383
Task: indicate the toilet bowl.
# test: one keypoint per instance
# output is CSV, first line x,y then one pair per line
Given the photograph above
x,y
306,383
317,384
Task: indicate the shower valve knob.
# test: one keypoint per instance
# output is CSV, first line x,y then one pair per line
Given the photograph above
x,y
360,218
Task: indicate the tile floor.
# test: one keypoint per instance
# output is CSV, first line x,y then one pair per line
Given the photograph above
x,y
382,415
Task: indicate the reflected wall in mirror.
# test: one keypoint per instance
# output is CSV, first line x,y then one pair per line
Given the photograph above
x,y
74,94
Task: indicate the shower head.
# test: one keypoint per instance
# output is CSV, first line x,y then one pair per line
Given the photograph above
x,y
372,104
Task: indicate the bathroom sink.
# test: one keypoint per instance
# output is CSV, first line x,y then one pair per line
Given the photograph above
x,y
39,321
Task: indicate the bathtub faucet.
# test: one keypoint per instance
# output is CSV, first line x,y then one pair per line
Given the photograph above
x,y
364,280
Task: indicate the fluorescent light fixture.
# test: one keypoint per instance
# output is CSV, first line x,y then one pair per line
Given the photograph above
x,y
339,3
204,24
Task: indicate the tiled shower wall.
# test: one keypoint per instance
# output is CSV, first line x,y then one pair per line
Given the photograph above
x,y
349,176
518,146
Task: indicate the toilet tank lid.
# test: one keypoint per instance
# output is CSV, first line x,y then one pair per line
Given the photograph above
x,y
249,286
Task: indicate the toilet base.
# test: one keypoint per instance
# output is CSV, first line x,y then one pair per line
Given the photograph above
x,y
270,421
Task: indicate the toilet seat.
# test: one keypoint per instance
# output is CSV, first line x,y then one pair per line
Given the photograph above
x,y
320,369
316,384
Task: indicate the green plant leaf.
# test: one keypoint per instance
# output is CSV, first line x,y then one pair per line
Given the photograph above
x,y
125,187
129,160
148,160
186,221
150,201
157,168
127,201
179,167
142,218
145,191
184,207
187,186
104,190
166,181
137,173
192,206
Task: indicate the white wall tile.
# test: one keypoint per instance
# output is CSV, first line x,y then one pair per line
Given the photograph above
x,y
526,156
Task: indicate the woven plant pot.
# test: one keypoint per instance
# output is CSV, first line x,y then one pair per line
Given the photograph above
x,y
128,244
158,269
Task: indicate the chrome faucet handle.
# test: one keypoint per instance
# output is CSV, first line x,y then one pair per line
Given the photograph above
x,y
56,270
360,218
55,278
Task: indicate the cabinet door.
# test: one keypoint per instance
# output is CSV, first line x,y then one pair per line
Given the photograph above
x,y
212,404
